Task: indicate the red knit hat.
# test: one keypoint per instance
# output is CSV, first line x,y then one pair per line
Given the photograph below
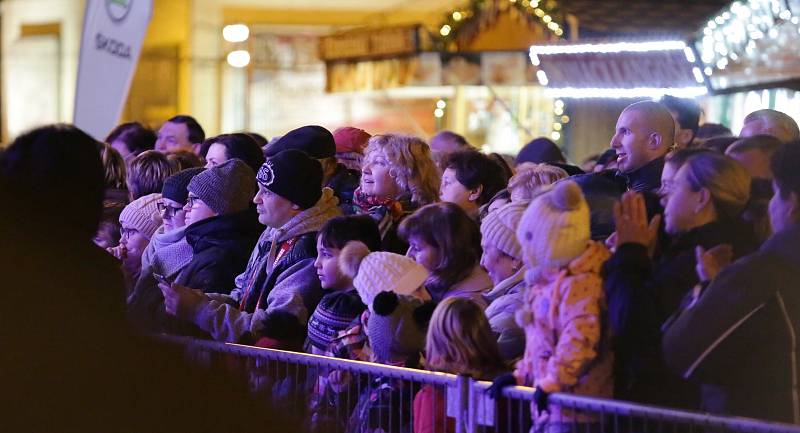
x,y
350,139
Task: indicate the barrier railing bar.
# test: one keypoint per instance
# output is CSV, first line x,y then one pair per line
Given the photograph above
x,y
431,377
629,409
466,388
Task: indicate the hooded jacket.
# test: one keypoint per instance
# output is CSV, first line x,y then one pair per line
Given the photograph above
x,y
739,340
567,340
272,281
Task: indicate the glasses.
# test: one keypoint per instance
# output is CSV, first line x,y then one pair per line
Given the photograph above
x,y
168,211
126,232
191,200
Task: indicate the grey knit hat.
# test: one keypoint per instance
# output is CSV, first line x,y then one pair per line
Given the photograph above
x,y
226,188
396,331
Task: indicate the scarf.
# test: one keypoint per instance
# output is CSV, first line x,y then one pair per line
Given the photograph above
x,y
386,211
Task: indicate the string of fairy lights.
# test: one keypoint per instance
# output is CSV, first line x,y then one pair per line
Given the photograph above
x,y
543,10
738,30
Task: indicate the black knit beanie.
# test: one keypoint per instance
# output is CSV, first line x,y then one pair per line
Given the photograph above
x,y
293,175
314,140
175,186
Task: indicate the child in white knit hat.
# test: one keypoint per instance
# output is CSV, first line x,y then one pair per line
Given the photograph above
x,y
373,273
567,347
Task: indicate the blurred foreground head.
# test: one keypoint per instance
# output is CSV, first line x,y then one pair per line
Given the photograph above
x,y
56,177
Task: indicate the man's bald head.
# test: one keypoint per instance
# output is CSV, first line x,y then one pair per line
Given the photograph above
x,y
645,131
770,122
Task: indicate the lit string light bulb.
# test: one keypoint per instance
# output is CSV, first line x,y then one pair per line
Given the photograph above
x,y
558,119
235,33
238,58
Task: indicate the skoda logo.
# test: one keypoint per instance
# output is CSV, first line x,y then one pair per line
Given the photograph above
x,y
118,9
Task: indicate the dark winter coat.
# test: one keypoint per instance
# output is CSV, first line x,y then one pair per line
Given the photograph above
x,y
642,295
603,189
740,338
343,183
220,248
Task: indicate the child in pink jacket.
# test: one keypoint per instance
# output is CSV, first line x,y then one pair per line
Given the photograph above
x,y
567,343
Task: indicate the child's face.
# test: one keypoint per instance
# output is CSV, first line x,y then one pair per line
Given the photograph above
x,y
327,265
423,253
453,191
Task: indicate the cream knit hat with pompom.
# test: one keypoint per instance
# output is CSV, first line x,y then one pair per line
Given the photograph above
x,y
380,271
555,228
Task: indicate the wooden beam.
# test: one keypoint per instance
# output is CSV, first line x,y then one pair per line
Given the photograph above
x,y
40,29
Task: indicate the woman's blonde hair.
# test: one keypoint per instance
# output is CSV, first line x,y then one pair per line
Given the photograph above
x,y
726,180
460,341
531,177
411,165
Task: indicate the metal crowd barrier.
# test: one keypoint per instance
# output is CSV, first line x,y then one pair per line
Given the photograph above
x,y
321,394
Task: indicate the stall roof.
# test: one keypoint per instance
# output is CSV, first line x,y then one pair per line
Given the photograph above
x,y
627,68
610,17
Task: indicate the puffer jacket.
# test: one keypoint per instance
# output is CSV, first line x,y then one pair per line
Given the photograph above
x,y
567,339
221,246
280,278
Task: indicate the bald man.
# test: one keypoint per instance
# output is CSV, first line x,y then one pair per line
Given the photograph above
x,y
770,122
644,133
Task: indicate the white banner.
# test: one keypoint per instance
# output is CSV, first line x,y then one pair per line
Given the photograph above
x,y
113,31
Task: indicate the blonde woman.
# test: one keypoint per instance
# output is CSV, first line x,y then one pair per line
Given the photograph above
x,y
459,341
398,176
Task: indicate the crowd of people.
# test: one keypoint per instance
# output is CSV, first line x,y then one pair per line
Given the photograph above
x,y
661,271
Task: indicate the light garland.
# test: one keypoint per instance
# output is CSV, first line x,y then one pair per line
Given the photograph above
x,y
616,47
457,18
620,93
736,31
438,112
558,120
